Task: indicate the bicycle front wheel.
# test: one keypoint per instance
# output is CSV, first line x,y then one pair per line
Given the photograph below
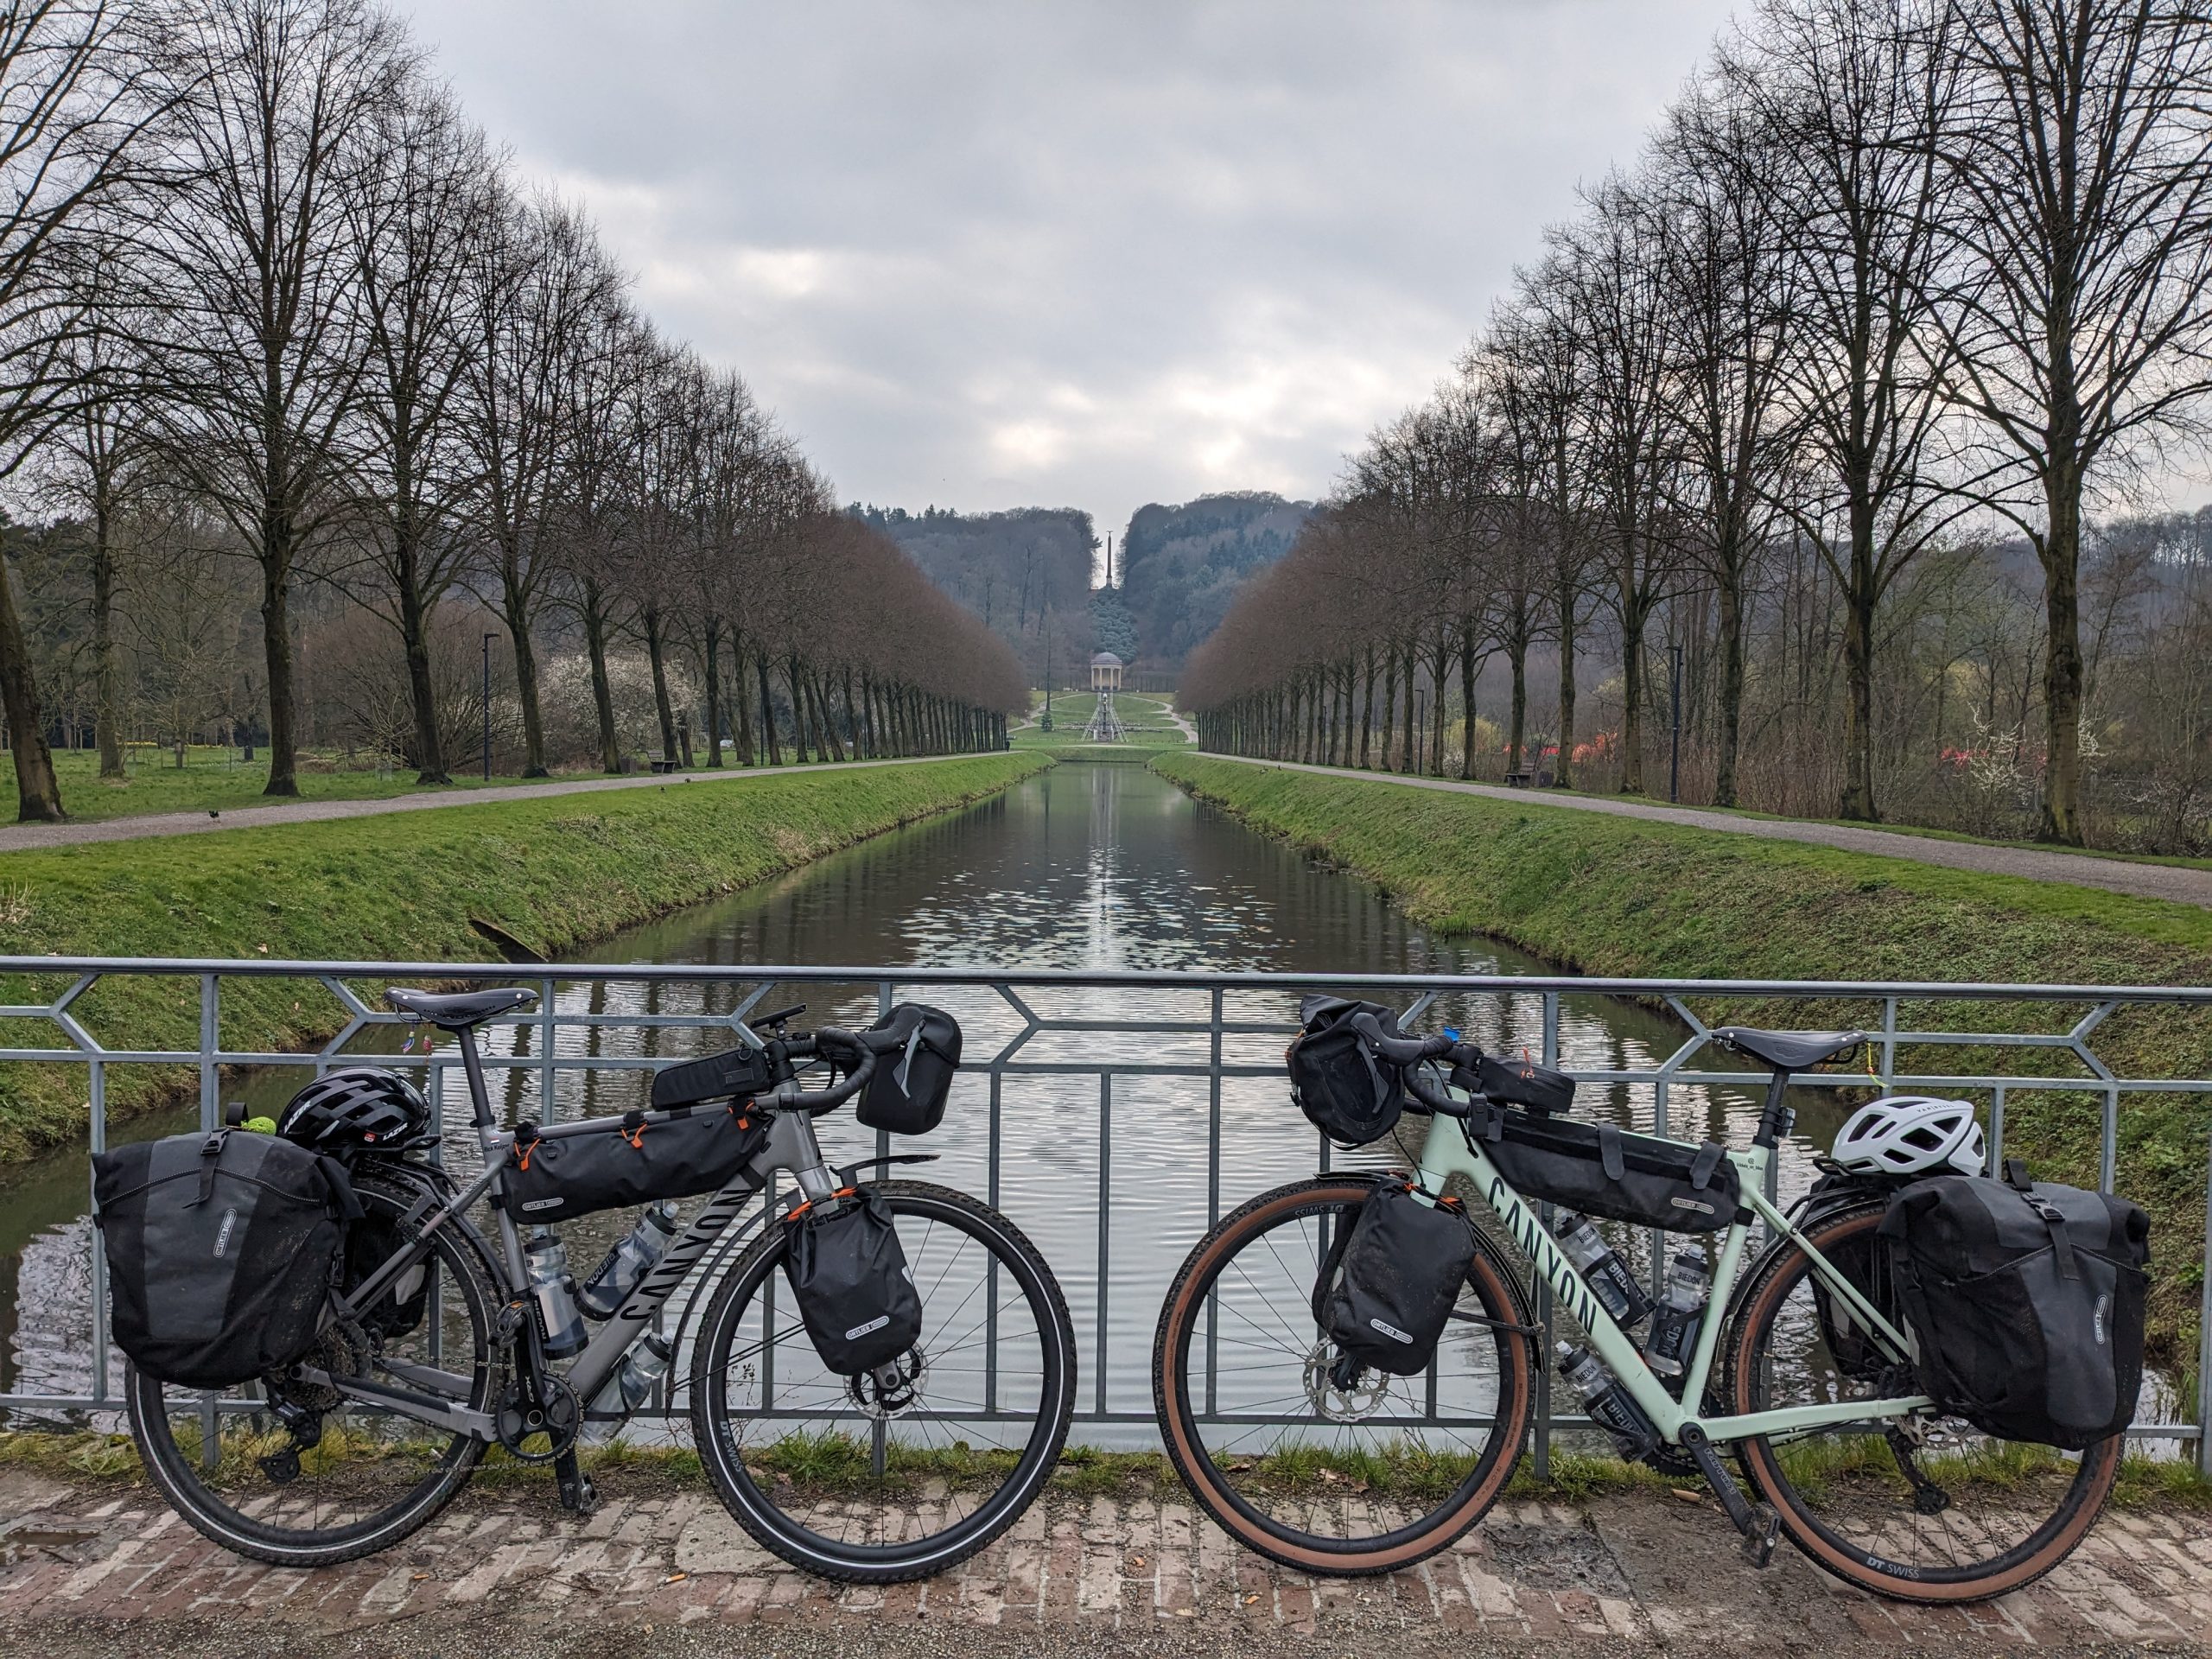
x,y
849,1480
308,1476
1325,1478
1923,1507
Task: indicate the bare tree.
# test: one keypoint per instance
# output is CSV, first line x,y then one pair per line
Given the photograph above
x,y
2076,293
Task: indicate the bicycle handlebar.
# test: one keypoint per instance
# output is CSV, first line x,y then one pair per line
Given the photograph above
x,y
1409,1055
1400,1051
837,1046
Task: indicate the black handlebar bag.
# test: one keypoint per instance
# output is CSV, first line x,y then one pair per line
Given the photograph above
x,y
1604,1170
2025,1301
850,1278
609,1163
1389,1282
917,1051
1346,1090
222,1251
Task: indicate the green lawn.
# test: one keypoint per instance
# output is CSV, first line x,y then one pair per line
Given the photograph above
x,y
1071,712
217,779
554,873
1627,897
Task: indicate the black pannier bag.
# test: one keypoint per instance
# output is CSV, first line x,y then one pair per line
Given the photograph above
x,y
849,1277
738,1074
2025,1302
609,1163
1607,1171
1859,1353
1345,1090
1518,1083
1387,1286
222,1251
917,1051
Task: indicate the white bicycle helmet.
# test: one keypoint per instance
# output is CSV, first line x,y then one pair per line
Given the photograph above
x,y
1911,1135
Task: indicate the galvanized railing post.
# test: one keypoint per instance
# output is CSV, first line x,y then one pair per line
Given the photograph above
x,y
211,1043
97,1142
1105,1250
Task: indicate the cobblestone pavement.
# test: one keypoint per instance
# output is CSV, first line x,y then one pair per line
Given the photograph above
x,y
107,1568
2180,884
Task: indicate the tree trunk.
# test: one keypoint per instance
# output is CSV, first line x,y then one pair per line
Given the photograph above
x,y
768,713
533,726
415,644
1632,702
2062,673
276,650
1732,691
714,643
602,692
1859,597
746,754
825,722
107,697
1389,707
852,716
656,654
38,795
1561,774
1410,754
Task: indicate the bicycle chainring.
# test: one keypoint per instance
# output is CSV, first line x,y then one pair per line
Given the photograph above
x,y
558,1419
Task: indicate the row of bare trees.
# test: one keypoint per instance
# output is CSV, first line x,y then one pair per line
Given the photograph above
x,y
1893,279
260,274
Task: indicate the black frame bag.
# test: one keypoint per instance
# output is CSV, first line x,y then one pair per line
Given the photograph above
x,y
222,1252
1604,1170
917,1051
609,1163
849,1276
1388,1284
1345,1090
2025,1301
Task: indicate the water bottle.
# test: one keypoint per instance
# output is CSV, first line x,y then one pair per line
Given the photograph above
x,y
1608,1276
546,1260
1612,1406
1672,1338
631,1385
629,1262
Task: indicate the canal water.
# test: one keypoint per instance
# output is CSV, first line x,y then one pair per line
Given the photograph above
x,y
1083,866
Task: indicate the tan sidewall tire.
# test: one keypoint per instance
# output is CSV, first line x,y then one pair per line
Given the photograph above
x,y
1197,1470
1760,1465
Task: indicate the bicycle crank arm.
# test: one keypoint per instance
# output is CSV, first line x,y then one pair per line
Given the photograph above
x,y
423,1408
1758,1524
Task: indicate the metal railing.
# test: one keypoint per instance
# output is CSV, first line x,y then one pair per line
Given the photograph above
x,y
1049,1029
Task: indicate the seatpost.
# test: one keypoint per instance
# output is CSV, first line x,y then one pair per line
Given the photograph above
x,y
1777,1120
478,1096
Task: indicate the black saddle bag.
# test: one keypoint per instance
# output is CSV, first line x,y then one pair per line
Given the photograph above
x,y
2025,1303
609,1163
1345,1090
917,1051
1390,1278
1604,1170
849,1277
222,1251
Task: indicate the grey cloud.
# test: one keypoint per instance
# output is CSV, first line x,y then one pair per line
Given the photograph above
x,y
1091,254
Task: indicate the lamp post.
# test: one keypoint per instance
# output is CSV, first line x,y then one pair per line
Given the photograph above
x,y
488,639
1675,758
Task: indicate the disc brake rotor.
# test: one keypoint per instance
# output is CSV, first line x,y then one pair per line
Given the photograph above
x,y
889,1390
1335,1404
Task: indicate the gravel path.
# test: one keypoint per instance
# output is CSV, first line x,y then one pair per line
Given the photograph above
x,y
2178,883
23,837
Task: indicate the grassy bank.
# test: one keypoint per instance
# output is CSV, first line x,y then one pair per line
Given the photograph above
x,y
1617,896
553,873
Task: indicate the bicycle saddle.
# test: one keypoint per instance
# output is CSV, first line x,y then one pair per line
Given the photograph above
x,y
1790,1051
453,1010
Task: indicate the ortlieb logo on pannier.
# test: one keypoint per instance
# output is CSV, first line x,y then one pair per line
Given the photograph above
x,y
1387,1286
222,1252
2025,1301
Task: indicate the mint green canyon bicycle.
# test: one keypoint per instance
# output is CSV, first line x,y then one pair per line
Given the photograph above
x,y
1797,1373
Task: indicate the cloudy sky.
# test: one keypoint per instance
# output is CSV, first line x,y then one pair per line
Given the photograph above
x,y
987,256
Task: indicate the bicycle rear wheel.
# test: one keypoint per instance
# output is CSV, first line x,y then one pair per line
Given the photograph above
x,y
369,1478
1327,1479
838,1478
1939,1512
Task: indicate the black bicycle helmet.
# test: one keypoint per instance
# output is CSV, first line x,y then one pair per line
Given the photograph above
x,y
359,1107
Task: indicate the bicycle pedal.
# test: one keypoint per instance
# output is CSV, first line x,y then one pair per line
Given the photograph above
x,y
1761,1536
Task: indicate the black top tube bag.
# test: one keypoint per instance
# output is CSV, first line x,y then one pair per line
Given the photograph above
x,y
1345,1090
1604,1170
608,1163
